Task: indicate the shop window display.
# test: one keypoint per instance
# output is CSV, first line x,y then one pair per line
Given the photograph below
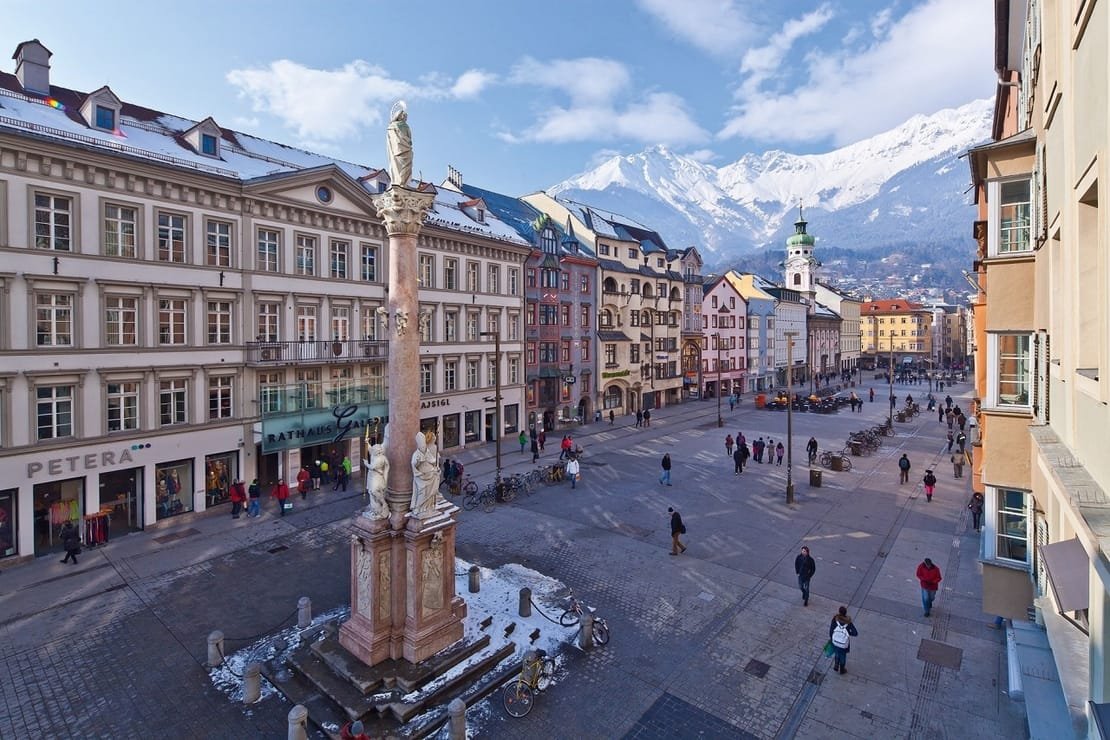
x,y
7,522
56,503
173,488
219,474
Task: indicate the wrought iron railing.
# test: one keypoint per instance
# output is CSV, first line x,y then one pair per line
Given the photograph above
x,y
284,353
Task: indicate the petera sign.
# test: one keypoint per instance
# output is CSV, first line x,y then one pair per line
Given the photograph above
x,y
319,426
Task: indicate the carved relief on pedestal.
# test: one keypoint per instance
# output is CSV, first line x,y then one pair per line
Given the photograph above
x,y
432,596
401,320
364,590
384,601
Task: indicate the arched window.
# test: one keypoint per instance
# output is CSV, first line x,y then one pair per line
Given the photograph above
x,y
613,397
547,240
648,292
675,294
645,318
797,278
610,285
605,319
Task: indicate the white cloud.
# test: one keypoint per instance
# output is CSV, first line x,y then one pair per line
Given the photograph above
x,y
761,62
471,83
881,22
718,26
587,80
705,156
932,57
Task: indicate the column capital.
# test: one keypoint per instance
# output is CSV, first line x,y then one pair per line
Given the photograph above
x,y
402,209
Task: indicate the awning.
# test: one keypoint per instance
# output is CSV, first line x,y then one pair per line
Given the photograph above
x,y
613,336
1068,571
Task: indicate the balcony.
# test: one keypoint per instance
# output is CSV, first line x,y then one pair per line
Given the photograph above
x,y
315,352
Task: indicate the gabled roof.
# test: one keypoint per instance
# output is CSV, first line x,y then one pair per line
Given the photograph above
x,y
524,218
893,305
745,284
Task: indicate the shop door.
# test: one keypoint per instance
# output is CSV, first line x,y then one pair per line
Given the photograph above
x,y
121,498
54,504
268,468
8,521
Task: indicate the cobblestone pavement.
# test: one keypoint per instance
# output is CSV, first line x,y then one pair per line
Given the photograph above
x,y
713,643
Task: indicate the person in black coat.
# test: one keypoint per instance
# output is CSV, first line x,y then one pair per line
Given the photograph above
x,y
677,528
71,541
805,567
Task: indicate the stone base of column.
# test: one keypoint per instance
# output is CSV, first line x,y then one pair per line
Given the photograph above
x,y
434,614
368,634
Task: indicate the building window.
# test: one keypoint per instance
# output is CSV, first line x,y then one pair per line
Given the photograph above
x,y
425,324
426,377
564,314
54,408
309,388
564,351
493,279
585,350
549,352
1011,536
531,310
450,325
471,373
603,250
306,323
218,239
119,231
547,240
219,322
120,319
472,327
549,278
514,326
472,277
105,118
171,238
1010,215
451,274
514,281
54,320
530,353
632,254
584,321
634,354
171,321
610,354
269,322
491,372
564,282
123,407
427,270
53,222
450,375
634,318
370,322
340,323
514,370
269,245
269,392
219,397
549,315
306,255
209,145
369,263
605,319
340,252
584,284
1009,369
172,402
530,278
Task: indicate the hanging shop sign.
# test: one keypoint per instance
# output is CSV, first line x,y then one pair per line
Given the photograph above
x,y
320,426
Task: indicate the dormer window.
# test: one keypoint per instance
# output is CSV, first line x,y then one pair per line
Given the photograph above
x,y
105,118
209,145
481,216
101,110
205,138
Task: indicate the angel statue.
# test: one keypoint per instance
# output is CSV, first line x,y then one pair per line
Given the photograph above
x,y
383,317
401,321
377,473
398,144
425,474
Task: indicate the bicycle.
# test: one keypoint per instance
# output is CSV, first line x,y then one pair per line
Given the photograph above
x,y
535,676
573,615
487,499
454,487
555,474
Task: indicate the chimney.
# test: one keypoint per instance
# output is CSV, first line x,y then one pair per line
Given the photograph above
x,y
454,177
32,66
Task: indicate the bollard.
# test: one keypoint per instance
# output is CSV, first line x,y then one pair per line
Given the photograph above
x,y
456,713
586,633
304,612
475,584
298,723
525,607
252,683
215,649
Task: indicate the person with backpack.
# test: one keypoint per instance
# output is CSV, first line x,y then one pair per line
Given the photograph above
x,y
804,567
572,471
841,632
928,575
975,506
930,482
665,463
677,528
903,469
254,493
961,440
728,445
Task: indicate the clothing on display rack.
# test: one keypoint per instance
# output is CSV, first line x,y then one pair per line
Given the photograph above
x,y
97,529
62,512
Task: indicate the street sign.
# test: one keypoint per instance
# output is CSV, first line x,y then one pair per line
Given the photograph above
x,y
569,380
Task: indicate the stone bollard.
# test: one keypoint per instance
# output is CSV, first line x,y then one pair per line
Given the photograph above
x,y
215,649
525,606
304,612
456,723
252,683
475,584
586,633
298,723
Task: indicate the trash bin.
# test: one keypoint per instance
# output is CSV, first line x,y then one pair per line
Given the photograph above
x,y
837,463
857,449
814,478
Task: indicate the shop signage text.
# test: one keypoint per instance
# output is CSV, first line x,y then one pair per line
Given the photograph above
x,y
319,427
73,463
434,403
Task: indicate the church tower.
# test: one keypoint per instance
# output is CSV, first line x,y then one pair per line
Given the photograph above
x,y
800,266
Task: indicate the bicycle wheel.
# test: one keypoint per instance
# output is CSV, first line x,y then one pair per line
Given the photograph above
x,y
517,698
489,501
471,500
568,618
601,631
509,493
546,674
470,488
846,463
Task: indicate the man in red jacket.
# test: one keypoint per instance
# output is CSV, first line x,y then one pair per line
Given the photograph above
x,y
238,498
929,576
281,492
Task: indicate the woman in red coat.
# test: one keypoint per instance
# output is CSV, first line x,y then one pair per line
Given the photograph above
x,y
238,498
281,492
302,482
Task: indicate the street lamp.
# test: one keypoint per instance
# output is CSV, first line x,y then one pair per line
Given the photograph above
x,y
720,419
498,427
890,376
789,415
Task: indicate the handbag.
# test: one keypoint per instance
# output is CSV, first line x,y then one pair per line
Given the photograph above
x,y
829,650
288,506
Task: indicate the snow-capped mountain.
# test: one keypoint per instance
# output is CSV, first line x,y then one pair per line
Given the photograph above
x,y
903,185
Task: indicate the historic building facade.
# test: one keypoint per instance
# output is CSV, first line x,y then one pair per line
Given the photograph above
x,y
724,325
897,331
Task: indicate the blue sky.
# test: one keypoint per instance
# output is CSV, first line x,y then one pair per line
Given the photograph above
x,y
520,95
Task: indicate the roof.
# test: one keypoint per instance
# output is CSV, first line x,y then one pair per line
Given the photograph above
x,y
746,286
613,336
893,305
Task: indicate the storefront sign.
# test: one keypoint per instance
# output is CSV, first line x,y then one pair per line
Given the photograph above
x,y
434,403
73,463
319,426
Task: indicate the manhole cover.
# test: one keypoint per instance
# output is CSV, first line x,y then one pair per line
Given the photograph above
x,y
937,653
757,668
279,548
176,536
706,596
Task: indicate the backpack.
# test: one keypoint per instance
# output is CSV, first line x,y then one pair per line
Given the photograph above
x,y
840,635
904,464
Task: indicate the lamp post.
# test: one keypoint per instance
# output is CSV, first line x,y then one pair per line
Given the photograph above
x,y
789,415
720,419
498,427
890,377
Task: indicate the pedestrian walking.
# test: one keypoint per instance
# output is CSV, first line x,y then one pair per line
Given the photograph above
x,y
769,451
612,417
639,418
757,450
303,477
745,454
732,403
930,482
948,402
929,577
665,463
958,465
281,492
542,438
572,471
893,401
71,542
811,448
779,452
728,445
950,417
903,469
522,438
238,495
565,447
804,567
871,395
535,451
677,528
347,468
940,414
841,632
951,439
254,493
975,505
961,440
325,471
317,475
647,417
738,462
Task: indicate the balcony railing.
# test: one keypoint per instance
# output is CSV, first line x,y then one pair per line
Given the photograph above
x,y
285,353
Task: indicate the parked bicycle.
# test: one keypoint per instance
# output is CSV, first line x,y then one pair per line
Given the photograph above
x,y
486,498
535,676
573,615
455,486
827,460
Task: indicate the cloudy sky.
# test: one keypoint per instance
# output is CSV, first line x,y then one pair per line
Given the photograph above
x,y
521,95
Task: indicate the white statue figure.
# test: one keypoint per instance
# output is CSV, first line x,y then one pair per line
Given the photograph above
x,y
398,144
383,318
377,473
425,320
401,320
425,474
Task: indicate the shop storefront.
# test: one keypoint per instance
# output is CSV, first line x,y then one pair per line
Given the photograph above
x,y
173,488
472,423
121,499
8,522
220,471
451,431
54,504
